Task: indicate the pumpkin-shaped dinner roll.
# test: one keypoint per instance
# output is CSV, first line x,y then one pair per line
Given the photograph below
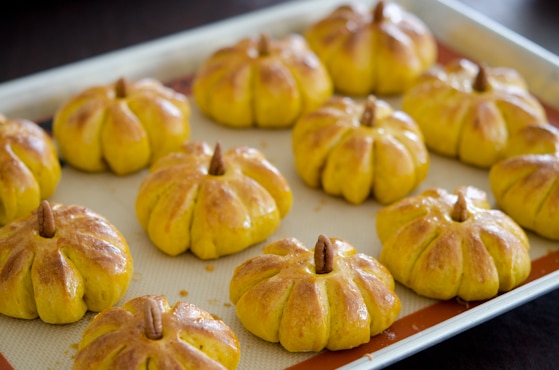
x,y
29,168
526,187
61,261
372,51
444,245
533,139
261,82
332,297
146,333
357,150
211,203
122,127
469,111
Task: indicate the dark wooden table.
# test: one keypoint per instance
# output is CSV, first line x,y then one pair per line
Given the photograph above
x,y
41,34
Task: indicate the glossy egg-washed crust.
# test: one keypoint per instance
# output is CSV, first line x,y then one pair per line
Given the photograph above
x,y
469,112
358,150
192,338
526,187
183,206
261,82
379,51
29,168
280,297
85,265
122,127
533,139
444,245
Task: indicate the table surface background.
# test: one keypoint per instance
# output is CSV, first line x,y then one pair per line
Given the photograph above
x,y
36,35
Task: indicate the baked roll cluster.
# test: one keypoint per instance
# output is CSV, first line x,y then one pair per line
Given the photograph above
x,y
329,86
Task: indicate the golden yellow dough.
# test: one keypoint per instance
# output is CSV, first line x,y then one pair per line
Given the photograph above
x,y
184,205
372,51
360,150
29,168
122,127
56,268
533,139
286,295
148,334
526,187
444,245
261,82
469,112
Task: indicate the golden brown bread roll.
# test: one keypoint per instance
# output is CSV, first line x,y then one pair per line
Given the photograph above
x,y
332,297
444,245
526,187
122,127
29,168
61,261
469,111
146,333
210,203
372,51
261,82
360,150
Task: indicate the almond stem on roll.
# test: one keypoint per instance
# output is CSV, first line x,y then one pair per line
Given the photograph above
x,y
460,209
217,165
323,255
45,219
263,45
368,117
378,12
120,88
481,82
152,317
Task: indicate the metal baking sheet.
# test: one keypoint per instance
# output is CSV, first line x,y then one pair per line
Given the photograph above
x,y
34,344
